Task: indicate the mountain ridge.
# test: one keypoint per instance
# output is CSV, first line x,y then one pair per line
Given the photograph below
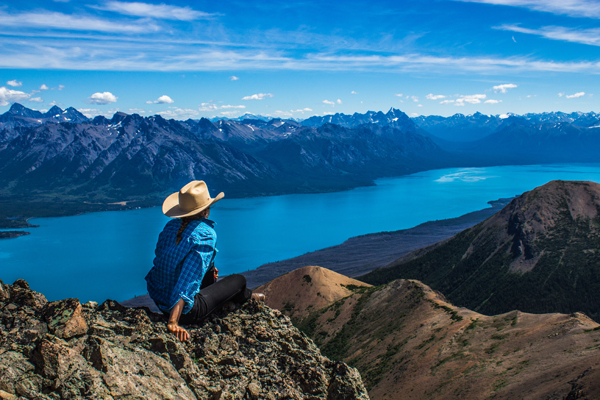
x,y
406,338
538,254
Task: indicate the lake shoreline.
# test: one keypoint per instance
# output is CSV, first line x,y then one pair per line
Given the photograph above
x,y
359,255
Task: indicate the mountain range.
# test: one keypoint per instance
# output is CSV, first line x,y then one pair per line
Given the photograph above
x,y
130,157
409,342
61,156
540,253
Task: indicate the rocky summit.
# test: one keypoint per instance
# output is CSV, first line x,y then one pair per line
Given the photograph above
x,y
62,349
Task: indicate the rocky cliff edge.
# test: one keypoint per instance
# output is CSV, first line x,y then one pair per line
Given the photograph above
x,y
62,349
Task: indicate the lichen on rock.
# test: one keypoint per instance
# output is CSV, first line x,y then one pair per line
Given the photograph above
x,y
65,350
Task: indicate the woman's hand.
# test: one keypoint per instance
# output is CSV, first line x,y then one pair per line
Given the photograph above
x,y
178,331
173,324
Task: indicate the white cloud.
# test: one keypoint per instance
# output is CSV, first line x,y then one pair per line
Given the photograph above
x,y
303,110
14,83
8,96
573,8
446,101
178,113
164,99
229,106
575,96
44,87
102,98
339,101
94,112
158,11
60,21
331,103
353,92
514,40
61,87
561,94
54,103
583,36
415,99
504,88
398,94
207,107
490,101
258,96
234,78
420,105
36,100
229,113
432,96
471,99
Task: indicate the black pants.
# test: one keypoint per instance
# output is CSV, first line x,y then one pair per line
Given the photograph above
x,y
212,297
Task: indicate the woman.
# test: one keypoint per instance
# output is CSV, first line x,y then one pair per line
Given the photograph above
x,y
185,252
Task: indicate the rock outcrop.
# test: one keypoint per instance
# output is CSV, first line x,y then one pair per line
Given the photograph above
x,y
65,350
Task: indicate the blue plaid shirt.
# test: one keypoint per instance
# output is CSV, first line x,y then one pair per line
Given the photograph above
x,y
179,268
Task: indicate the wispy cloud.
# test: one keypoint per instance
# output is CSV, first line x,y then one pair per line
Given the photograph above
x,y
446,101
572,8
331,103
93,112
44,87
14,83
432,96
491,101
36,100
353,92
179,113
157,11
102,98
8,96
504,88
583,36
258,96
575,96
339,101
415,99
230,106
164,99
234,78
471,99
60,21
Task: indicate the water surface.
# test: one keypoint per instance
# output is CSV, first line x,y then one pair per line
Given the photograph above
x,y
106,255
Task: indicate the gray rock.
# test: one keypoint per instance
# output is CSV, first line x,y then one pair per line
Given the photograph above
x,y
63,350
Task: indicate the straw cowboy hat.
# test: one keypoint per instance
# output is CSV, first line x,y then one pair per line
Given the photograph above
x,y
192,199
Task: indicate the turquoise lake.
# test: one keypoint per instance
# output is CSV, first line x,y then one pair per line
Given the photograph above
x,y
106,255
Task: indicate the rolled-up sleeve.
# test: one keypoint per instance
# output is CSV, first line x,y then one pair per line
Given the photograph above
x,y
194,266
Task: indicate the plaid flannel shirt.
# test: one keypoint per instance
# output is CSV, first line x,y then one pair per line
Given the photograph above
x,y
179,268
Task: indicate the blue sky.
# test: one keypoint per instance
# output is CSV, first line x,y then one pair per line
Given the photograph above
x,y
297,59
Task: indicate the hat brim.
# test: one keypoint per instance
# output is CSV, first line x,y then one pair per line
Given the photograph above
x,y
171,207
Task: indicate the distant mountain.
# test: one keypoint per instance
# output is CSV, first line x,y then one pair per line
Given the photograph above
x,y
393,118
469,128
129,157
460,127
518,139
244,117
404,337
20,116
539,254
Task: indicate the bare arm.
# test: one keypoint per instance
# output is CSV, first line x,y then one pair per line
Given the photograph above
x,y
173,324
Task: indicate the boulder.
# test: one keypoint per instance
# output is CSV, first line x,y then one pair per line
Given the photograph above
x,y
62,349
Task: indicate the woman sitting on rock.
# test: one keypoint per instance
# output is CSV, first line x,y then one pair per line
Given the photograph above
x,y
183,282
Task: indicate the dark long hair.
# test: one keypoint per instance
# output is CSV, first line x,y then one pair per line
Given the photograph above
x,y
184,223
